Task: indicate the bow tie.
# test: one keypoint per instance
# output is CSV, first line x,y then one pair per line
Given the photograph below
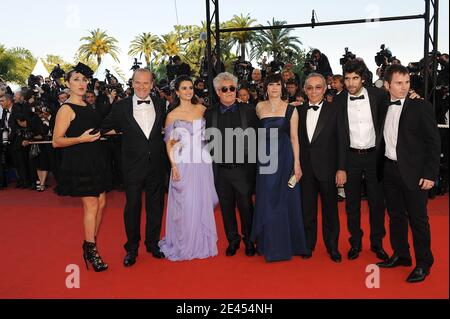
x,y
361,97
232,109
143,101
398,102
314,107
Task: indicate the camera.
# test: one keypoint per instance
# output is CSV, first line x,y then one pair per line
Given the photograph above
x,y
57,72
384,56
310,64
414,67
33,82
276,66
242,69
136,65
348,56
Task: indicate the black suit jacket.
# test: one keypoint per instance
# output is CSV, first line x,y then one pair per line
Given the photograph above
x,y
377,98
248,120
139,152
418,143
325,154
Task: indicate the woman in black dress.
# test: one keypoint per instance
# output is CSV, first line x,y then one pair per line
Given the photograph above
x,y
83,168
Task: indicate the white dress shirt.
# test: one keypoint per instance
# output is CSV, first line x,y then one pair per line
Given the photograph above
x,y
362,131
390,131
311,120
144,114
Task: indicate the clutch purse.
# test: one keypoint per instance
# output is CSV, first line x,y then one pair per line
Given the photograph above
x,y
292,181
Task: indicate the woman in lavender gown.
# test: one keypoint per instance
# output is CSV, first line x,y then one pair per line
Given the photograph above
x,y
190,225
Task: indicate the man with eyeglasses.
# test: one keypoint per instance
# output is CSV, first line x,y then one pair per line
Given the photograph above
x,y
322,161
234,180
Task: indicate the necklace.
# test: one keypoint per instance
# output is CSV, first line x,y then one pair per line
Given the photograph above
x,y
272,107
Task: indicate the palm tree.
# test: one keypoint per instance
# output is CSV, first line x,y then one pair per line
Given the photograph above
x,y
16,64
169,46
241,38
99,44
144,44
276,42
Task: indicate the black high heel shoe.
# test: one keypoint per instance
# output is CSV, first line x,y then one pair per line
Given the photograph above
x,y
91,255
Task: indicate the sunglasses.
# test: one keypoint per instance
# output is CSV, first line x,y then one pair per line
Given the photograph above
x,y
225,89
317,88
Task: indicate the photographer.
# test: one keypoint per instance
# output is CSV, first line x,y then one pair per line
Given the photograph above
x,y
292,89
242,69
256,86
320,63
201,91
384,58
176,67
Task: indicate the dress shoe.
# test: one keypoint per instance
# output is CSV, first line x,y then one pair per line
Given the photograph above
x,y
418,275
381,254
156,252
336,256
231,250
353,253
250,249
395,261
130,259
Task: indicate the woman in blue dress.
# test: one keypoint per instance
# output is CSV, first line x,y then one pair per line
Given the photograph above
x,y
278,224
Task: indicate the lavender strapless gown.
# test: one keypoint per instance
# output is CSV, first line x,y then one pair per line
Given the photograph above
x,y
190,225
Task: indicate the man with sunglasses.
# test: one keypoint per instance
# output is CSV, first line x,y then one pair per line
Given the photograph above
x,y
322,161
234,179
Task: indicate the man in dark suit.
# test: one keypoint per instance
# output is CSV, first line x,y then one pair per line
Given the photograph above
x,y
12,149
361,110
411,147
140,118
6,123
234,179
322,161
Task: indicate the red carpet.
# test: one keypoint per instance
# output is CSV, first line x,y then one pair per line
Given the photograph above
x,y
41,234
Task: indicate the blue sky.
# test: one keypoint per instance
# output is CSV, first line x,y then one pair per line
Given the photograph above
x,y
55,27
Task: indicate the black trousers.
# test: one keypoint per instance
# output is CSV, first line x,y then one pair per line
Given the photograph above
x,y
359,166
311,187
235,189
403,206
153,185
20,161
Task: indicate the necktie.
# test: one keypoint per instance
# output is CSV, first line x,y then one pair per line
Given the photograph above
x,y
398,102
353,98
143,101
314,107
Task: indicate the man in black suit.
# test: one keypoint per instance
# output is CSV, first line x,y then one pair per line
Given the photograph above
x,y
361,110
411,165
12,149
322,160
234,179
140,118
6,127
